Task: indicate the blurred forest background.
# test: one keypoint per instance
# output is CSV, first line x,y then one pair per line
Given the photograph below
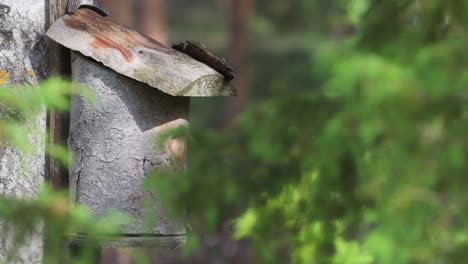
x,y
348,140
265,41
346,101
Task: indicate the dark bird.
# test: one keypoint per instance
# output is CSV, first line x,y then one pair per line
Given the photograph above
x,y
200,53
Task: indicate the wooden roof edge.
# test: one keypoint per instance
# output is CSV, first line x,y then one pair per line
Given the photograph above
x,y
137,56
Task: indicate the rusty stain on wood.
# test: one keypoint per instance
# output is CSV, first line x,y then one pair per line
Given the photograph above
x,y
104,34
138,56
101,42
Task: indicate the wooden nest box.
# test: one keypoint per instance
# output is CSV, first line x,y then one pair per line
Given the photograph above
x,y
141,88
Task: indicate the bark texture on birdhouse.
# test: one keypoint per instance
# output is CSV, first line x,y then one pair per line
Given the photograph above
x,y
138,56
113,141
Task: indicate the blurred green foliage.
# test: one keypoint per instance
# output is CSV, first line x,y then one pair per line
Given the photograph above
x,y
365,164
49,213
60,221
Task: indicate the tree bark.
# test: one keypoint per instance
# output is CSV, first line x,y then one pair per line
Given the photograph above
x,y
121,11
242,12
154,19
23,50
111,139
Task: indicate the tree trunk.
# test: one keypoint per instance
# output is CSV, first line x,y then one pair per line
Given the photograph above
x,y
242,12
23,50
121,11
111,140
154,19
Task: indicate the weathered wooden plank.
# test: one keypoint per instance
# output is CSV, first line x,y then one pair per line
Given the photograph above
x,y
138,56
58,122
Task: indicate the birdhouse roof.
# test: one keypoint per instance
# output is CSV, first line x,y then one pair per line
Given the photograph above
x,y
138,56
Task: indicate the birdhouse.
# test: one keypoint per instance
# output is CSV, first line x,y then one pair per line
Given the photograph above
x,y
141,88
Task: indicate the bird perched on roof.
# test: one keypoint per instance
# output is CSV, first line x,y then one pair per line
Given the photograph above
x,y
199,52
